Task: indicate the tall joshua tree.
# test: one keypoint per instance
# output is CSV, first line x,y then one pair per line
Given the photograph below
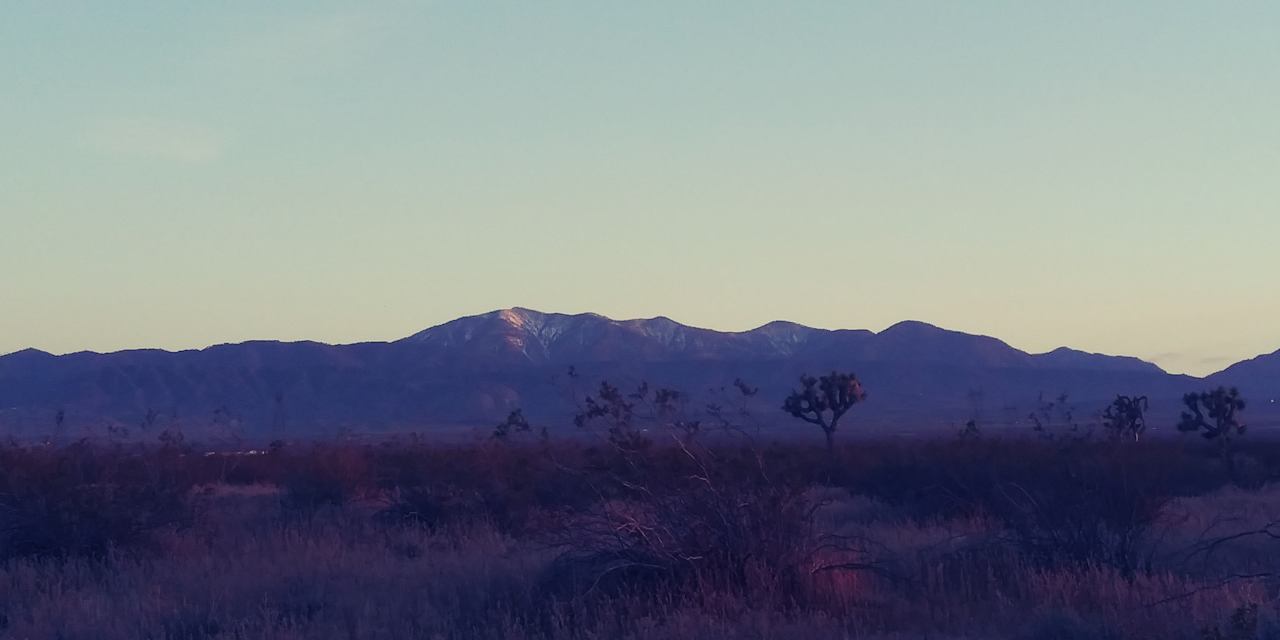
x,y
824,400
1125,418
1215,414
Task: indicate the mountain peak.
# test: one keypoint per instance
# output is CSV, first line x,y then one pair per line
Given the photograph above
x,y
781,325
29,352
524,316
517,316
913,326
1068,358
28,358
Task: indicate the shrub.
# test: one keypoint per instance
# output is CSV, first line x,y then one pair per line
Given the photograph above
x,y
1081,511
1059,502
86,521
77,504
1242,625
328,477
695,524
431,507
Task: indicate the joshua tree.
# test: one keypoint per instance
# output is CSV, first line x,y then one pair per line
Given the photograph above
x,y
516,424
1125,418
823,401
669,410
1215,415
1056,418
616,412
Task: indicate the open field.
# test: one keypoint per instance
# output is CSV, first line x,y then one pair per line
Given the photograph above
x,y
939,539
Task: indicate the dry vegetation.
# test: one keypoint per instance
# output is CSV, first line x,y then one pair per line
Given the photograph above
x,y
957,539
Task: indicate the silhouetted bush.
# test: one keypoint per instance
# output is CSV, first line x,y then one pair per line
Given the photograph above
x,y
941,480
688,521
86,521
325,477
1059,502
1081,510
79,502
432,507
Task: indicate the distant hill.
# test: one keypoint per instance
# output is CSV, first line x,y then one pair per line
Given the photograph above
x,y
1258,379
471,371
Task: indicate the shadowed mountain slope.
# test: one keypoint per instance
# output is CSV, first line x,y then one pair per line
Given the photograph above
x,y
1258,379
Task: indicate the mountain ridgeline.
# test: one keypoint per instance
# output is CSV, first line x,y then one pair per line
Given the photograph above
x,y
465,375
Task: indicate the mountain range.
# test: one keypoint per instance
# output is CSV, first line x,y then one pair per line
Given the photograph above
x,y
467,374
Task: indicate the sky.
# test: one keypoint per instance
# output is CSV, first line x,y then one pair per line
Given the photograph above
x,y
1095,174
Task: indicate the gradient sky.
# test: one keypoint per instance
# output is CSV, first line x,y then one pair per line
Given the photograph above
x,y
182,174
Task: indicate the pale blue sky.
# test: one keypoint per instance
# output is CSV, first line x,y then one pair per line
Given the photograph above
x,y
182,174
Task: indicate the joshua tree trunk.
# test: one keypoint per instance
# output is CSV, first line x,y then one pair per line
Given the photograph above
x,y
831,439
1229,461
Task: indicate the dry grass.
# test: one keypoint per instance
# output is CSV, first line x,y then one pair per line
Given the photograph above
x,y
255,564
